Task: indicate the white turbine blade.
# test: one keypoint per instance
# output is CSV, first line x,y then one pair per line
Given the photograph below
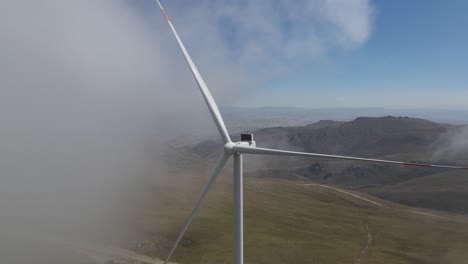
x,y
265,151
216,172
212,107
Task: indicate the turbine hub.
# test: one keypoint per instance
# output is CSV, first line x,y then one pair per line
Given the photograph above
x,y
228,148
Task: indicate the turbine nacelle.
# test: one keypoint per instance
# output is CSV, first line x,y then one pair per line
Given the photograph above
x,y
246,141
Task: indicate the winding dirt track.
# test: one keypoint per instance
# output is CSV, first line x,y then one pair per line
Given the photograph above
x,y
106,254
370,201
86,251
363,255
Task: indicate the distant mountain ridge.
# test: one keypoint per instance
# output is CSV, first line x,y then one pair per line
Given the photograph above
x,y
397,138
365,136
325,123
245,118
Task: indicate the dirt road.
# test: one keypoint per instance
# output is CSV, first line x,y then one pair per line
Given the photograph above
x,y
363,255
370,201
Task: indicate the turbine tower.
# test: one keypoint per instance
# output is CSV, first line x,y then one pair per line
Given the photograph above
x,y
236,150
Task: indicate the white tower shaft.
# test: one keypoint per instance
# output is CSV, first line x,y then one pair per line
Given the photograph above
x,y
238,198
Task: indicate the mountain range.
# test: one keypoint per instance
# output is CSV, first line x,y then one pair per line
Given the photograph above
x,y
395,138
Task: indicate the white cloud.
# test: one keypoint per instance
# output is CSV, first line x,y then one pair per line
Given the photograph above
x,y
86,88
352,20
270,32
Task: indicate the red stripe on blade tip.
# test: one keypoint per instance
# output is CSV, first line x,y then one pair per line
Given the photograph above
x,y
165,15
417,164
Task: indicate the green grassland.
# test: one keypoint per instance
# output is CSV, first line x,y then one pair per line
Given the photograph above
x,y
289,223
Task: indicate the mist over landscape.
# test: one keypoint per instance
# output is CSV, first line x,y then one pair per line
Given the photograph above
x,y
106,142
85,106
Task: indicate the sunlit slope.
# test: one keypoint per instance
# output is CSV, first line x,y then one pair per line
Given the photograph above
x,y
289,223
446,191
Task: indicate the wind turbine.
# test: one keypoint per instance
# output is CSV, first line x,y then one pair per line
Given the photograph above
x,y
236,150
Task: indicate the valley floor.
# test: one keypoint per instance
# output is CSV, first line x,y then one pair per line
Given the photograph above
x,y
294,222
285,222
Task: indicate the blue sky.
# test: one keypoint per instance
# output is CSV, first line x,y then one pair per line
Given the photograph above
x,y
418,48
348,54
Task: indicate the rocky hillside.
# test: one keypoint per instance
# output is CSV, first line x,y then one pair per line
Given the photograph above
x,y
397,138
